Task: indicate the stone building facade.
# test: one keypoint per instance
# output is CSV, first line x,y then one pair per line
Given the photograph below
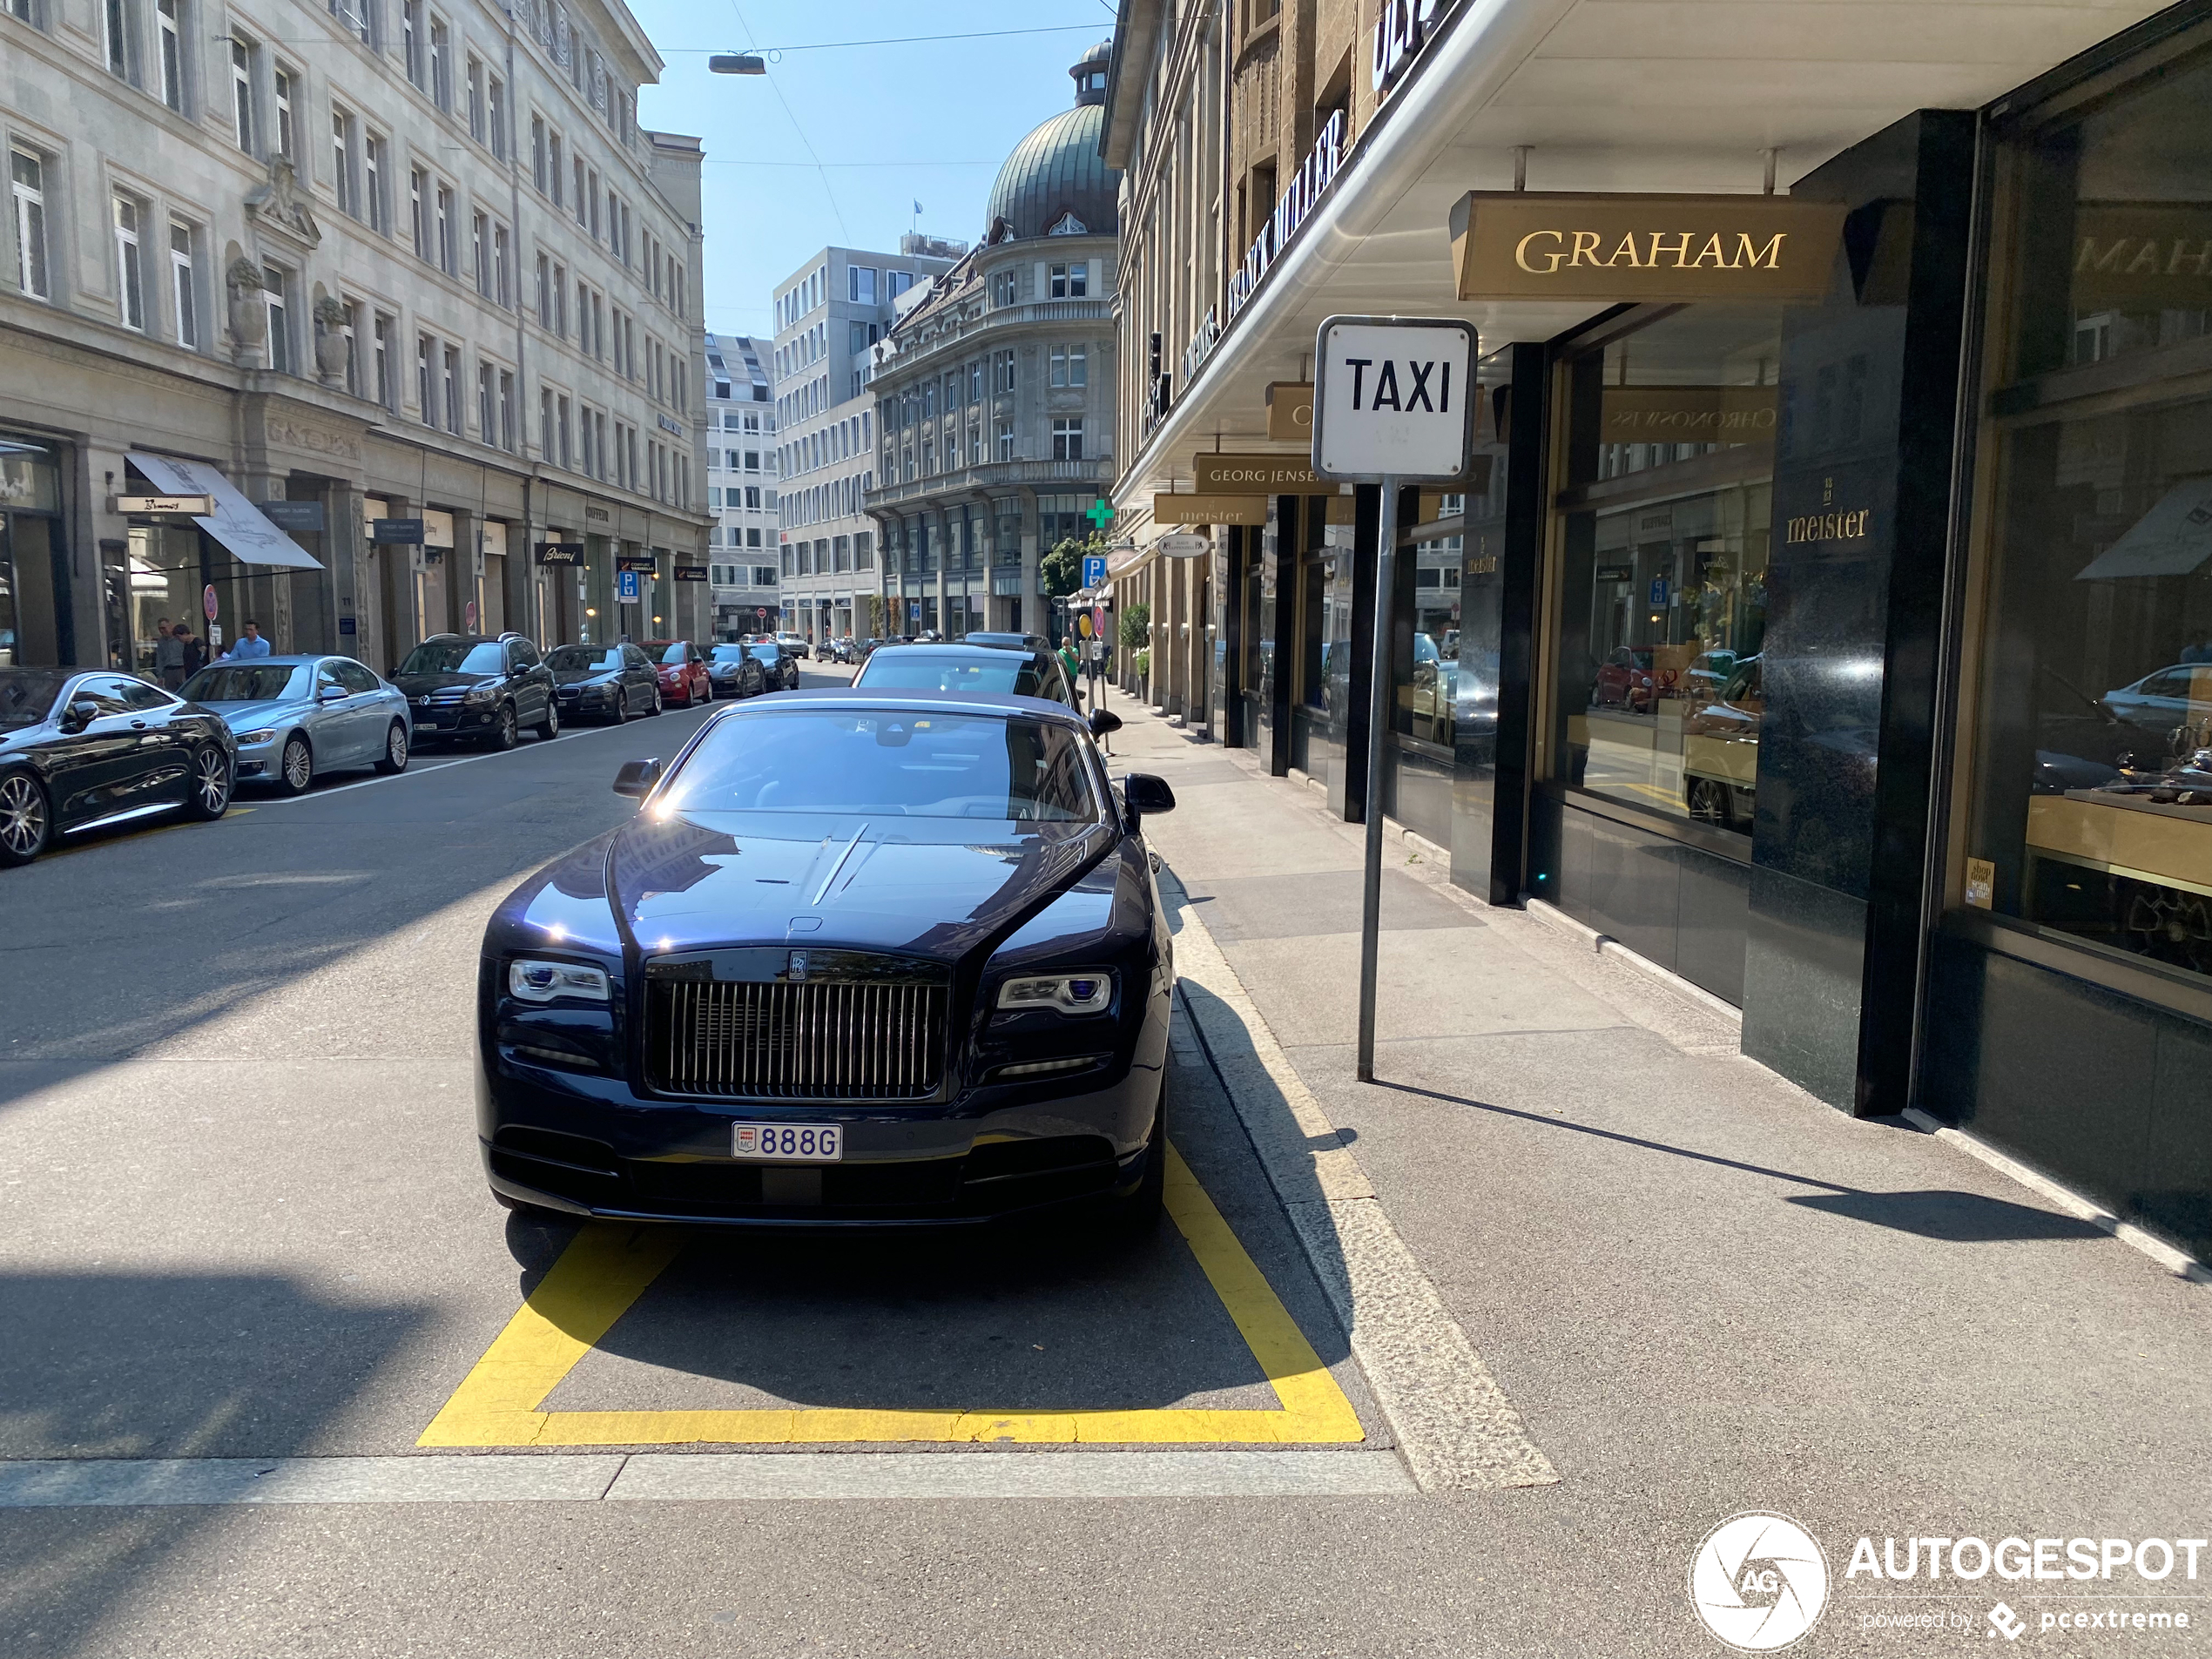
x,y
740,489
374,261
996,390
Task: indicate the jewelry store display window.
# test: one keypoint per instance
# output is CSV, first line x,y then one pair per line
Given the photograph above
x,y
2089,667
1659,604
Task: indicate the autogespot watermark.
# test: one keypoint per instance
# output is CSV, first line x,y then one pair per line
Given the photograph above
x,y
1760,1583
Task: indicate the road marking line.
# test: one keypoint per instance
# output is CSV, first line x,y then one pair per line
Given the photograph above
x,y
604,1272
1454,1424
689,1477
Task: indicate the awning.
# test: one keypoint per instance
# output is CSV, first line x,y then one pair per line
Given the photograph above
x,y
2172,539
236,521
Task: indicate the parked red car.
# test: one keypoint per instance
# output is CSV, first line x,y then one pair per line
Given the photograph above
x,y
1625,679
682,668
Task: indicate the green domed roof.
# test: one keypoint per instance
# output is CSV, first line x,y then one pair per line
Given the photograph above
x,y
1055,176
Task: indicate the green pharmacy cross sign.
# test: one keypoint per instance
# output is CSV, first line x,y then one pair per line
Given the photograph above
x,y
1100,515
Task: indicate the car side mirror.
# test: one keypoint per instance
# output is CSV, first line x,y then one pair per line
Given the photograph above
x,y
80,714
331,694
637,778
1103,721
1143,793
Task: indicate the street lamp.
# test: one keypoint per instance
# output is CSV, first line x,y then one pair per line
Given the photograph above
x,y
736,64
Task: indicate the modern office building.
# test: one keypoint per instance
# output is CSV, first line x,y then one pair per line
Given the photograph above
x,y
996,389
828,314
333,268
742,561
1826,613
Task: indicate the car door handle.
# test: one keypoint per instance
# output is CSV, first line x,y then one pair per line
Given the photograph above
x,y
138,725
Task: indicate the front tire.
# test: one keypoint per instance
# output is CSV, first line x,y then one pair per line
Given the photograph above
x,y
549,727
395,750
296,770
26,822
621,716
211,785
657,702
1136,1215
508,733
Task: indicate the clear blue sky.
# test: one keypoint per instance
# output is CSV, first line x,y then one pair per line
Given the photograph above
x,y
931,122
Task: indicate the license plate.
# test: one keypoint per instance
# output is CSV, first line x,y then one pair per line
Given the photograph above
x,y
788,1143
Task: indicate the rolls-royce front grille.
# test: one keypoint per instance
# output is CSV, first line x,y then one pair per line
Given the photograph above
x,y
823,1040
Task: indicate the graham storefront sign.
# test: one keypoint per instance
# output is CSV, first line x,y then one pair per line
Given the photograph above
x,y
1526,245
1210,510
1688,414
1217,475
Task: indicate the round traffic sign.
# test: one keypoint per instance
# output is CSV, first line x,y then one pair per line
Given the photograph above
x,y
207,601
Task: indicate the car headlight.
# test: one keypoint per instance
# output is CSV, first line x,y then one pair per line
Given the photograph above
x,y
535,981
1068,993
477,696
258,736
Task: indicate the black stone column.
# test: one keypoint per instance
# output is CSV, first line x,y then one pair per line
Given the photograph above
x,y
1867,402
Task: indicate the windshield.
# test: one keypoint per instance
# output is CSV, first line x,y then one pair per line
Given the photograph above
x,y
674,654
768,653
583,659
452,656
729,653
1000,671
890,762
242,682
27,694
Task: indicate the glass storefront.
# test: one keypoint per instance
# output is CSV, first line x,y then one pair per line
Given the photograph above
x,y
1661,606
2091,814
34,574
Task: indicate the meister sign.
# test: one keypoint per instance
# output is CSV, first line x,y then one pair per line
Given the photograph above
x,y
1209,510
1528,244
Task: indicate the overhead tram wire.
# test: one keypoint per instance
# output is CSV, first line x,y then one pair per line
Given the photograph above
x,y
895,40
792,116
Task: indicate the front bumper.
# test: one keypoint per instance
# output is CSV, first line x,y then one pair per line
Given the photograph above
x,y
454,719
588,1147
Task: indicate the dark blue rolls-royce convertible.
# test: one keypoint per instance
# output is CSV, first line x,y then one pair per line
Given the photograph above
x,y
862,958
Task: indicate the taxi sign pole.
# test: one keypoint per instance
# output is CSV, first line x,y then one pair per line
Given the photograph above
x,y
1393,405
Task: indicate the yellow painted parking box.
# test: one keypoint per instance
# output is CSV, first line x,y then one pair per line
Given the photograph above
x,y
606,1269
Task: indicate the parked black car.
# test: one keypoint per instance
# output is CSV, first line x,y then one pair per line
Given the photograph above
x,y
733,671
609,683
970,1021
466,687
779,664
78,751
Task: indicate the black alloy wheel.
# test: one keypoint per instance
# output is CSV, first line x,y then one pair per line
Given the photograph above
x,y
1709,802
549,727
395,749
297,769
211,784
24,821
657,706
621,704
508,733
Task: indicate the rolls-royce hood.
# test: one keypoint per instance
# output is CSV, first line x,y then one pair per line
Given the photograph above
x,y
934,888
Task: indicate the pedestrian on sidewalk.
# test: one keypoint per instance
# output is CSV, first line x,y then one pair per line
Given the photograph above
x,y
193,658
249,644
168,654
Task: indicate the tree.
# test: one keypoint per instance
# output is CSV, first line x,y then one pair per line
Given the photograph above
x,y
1060,569
1136,628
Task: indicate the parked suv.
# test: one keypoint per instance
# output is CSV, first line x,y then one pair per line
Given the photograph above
x,y
466,687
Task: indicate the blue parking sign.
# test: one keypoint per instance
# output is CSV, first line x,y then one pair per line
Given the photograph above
x,y
1094,569
626,585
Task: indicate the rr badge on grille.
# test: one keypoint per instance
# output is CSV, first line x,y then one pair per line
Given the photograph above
x,y
799,965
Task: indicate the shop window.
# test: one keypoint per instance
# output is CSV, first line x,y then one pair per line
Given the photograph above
x,y
1663,595
2090,739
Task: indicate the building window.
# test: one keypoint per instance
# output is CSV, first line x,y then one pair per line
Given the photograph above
x,y
373,154
447,256
387,327
418,194
411,39
480,252
115,27
560,301
441,64
500,285
453,389
350,328
568,453
486,419
130,268
342,169
242,92
1069,366
272,301
553,167
1005,441
537,152
506,409
354,14
475,77
496,113
859,286
1002,371
284,80
183,294
169,28
1070,281
425,393
1002,288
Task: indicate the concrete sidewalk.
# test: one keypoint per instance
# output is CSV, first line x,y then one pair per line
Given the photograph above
x,y
1704,1291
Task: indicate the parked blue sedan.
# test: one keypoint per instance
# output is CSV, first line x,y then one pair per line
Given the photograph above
x,y
297,717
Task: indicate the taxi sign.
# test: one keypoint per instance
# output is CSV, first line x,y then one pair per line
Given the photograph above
x,y
1393,398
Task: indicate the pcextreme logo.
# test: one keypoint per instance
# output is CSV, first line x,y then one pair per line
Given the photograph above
x,y
1759,1581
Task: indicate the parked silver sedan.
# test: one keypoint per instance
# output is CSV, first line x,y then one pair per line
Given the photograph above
x,y
297,717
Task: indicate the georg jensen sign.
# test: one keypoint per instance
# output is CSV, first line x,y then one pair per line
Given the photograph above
x,y
1527,244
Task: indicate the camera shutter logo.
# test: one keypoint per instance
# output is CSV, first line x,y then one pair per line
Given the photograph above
x,y
1759,1581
